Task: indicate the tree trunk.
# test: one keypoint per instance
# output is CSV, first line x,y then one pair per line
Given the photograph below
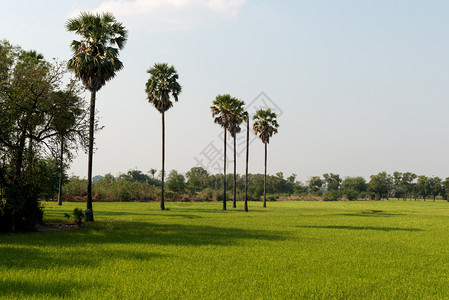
x,y
247,159
224,172
234,203
265,180
90,216
61,157
163,160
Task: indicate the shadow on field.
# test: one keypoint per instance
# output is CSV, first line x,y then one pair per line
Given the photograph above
x,y
370,213
364,228
91,246
13,288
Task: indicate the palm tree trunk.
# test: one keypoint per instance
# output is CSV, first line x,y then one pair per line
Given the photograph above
x,y
90,217
234,204
247,159
224,172
265,180
61,157
163,160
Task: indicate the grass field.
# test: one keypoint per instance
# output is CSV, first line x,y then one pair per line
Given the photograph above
x,y
318,250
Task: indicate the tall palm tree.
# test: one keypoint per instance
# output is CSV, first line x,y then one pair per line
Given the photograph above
x,y
95,61
246,117
162,83
265,125
221,112
236,118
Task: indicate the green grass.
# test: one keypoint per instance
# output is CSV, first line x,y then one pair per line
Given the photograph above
x,y
324,250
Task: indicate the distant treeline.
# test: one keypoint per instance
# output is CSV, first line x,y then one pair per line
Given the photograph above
x,y
199,185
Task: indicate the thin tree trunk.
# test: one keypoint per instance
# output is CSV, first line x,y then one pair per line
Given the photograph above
x,y
61,157
265,180
247,159
224,172
90,216
234,203
163,160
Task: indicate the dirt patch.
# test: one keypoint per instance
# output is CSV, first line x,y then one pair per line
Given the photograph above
x,y
55,227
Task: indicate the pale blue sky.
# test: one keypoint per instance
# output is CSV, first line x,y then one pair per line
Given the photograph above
x,y
362,85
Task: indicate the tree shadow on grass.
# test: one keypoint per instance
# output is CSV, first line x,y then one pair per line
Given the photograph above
x,y
371,213
98,241
364,228
19,288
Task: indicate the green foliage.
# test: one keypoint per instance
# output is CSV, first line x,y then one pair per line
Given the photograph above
x,y
332,181
351,194
381,185
331,195
29,113
176,183
265,124
95,58
78,216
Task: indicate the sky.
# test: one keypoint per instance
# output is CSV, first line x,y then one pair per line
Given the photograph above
x,y
359,86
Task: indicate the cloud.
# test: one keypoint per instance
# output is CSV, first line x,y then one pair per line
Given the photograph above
x,y
169,15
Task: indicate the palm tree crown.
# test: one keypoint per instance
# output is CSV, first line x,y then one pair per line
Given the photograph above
x,y
95,56
223,108
236,116
265,124
163,82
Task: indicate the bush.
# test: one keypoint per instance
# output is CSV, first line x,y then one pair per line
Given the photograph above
x,y
78,216
20,208
351,194
206,194
331,196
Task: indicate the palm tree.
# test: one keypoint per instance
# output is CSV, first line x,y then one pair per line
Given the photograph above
x,y
221,112
95,61
236,118
265,125
246,116
162,83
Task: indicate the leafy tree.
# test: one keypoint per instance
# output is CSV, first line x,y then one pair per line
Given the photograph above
x,y
408,179
435,186
137,176
95,61
381,185
423,186
353,187
332,181
27,109
197,179
265,124
315,183
221,112
69,122
162,84
398,185
176,183
445,184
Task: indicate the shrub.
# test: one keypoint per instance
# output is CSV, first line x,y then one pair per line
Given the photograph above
x,y
78,216
351,194
331,196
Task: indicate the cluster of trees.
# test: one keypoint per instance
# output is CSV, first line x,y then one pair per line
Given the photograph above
x,y
41,121
199,185
399,185
196,184
229,113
